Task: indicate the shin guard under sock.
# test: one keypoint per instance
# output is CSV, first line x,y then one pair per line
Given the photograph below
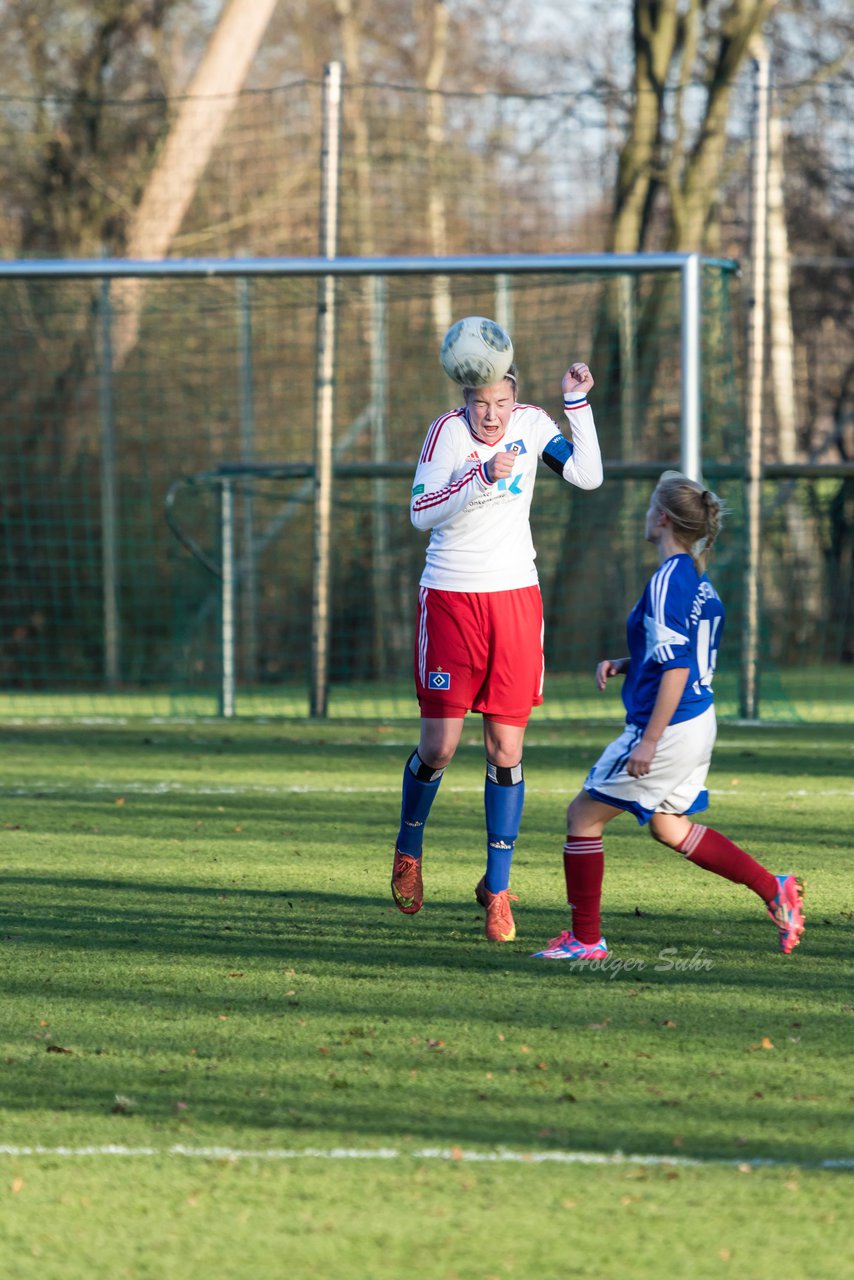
x,y
714,852
420,784
584,869
503,801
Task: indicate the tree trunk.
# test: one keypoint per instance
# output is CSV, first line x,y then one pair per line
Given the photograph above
x,y
197,128
782,337
436,211
804,566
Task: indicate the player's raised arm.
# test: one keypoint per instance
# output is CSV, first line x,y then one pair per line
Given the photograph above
x,y
578,458
584,467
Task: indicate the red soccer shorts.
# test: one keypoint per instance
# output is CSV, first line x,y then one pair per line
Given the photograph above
x,y
479,651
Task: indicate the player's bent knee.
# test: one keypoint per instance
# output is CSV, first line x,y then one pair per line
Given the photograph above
x,y
578,815
669,829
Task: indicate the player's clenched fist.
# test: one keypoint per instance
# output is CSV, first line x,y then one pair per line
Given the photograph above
x,y
577,380
500,465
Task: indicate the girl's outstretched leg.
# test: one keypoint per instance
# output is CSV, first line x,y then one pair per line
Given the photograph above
x,y
715,852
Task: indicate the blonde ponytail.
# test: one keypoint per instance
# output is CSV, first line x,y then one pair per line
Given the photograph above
x,y
696,514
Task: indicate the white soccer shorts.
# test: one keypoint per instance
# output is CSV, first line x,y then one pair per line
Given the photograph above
x,y
676,782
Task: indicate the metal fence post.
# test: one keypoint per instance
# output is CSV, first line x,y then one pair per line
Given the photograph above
x,y
749,691
247,569
109,495
325,395
690,438
227,612
381,562
504,302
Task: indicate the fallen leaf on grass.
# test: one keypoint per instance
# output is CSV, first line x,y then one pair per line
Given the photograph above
x,y
435,1044
17,1185
668,1022
58,1048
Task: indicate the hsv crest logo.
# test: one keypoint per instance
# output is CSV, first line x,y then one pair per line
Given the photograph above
x,y
439,680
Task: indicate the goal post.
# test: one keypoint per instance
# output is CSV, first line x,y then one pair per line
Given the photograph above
x,y
502,269
385,369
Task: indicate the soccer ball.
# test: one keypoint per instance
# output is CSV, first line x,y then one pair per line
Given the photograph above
x,y
476,352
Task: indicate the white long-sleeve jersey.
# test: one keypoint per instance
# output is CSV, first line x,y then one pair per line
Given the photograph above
x,y
480,537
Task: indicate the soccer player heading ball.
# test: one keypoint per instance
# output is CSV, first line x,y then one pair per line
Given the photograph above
x,y
657,768
479,626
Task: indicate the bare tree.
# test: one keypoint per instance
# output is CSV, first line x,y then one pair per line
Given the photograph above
x,y
667,150
191,139
436,196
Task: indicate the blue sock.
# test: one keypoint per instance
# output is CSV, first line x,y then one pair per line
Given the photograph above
x,y
420,784
503,799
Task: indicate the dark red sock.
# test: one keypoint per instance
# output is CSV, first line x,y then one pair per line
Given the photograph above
x,y
584,868
714,852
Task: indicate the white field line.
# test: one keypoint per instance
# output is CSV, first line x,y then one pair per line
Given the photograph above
x,y
451,1154
32,788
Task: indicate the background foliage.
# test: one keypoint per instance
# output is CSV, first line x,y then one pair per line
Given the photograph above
x,y
464,130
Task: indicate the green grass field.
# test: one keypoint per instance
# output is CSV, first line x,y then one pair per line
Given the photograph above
x,y
225,1054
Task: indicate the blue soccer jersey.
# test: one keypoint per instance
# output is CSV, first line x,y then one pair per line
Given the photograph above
x,y
677,622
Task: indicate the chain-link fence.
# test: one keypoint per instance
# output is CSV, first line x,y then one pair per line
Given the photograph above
x,y
105,465
110,396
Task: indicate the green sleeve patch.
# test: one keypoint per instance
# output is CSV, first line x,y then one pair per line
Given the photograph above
x,y
419,488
